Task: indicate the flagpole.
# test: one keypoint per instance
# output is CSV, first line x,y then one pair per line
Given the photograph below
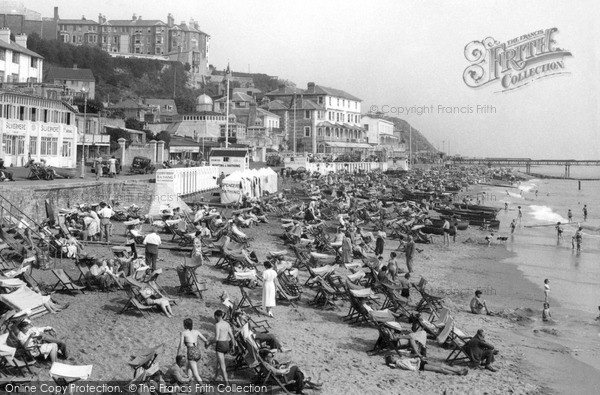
x,y
227,116
294,109
410,147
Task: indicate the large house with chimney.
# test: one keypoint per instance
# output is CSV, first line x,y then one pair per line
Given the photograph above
x,y
17,63
319,119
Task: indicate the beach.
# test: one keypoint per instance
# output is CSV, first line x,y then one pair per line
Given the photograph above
x,y
534,357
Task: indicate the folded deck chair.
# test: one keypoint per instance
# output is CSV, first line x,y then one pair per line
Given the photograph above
x,y
65,282
64,374
26,299
145,359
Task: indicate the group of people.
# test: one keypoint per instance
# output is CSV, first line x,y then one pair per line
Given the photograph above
x,y
99,167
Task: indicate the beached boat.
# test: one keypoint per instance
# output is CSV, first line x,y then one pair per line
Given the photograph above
x,y
462,225
468,214
476,207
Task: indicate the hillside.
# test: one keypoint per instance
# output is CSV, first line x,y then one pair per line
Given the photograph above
x,y
419,142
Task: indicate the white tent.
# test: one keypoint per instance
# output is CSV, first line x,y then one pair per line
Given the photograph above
x,y
248,182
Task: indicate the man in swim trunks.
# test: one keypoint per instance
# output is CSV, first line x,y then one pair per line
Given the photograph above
x,y
223,335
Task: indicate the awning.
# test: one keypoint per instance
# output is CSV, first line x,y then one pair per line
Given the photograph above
x,y
336,144
325,124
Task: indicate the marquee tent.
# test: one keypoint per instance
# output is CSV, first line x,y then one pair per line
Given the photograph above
x,y
253,183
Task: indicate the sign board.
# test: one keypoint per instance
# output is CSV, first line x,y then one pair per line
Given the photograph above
x,y
229,164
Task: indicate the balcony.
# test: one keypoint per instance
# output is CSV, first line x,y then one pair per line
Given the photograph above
x,y
91,139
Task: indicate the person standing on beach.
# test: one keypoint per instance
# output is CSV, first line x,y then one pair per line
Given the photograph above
x,y
152,241
584,212
446,228
98,168
578,238
570,216
546,290
409,250
223,339
190,339
513,225
105,213
269,292
520,215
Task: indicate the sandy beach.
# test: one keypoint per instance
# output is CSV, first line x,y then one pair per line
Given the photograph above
x,y
532,357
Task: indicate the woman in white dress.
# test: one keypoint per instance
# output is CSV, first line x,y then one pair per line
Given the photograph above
x,y
268,299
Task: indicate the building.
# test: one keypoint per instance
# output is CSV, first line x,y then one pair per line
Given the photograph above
x,y
236,100
78,31
17,63
134,36
37,128
78,81
189,45
262,127
207,126
230,160
319,119
163,110
18,19
380,134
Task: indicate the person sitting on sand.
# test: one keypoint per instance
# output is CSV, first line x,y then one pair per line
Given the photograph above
x,y
176,375
481,352
418,364
546,312
292,373
478,305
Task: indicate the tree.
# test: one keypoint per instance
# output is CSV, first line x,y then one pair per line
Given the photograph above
x,y
164,136
132,123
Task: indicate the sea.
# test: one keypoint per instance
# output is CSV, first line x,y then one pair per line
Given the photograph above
x,y
539,254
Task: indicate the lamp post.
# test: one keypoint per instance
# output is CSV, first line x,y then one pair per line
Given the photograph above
x,y
84,91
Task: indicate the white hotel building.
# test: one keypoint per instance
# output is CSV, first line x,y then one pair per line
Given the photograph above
x,y
32,127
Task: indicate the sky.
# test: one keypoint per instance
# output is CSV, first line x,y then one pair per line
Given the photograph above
x,y
399,54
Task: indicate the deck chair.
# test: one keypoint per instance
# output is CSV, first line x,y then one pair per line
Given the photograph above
x,y
135,302
86,279
394,302
270,378
246,302
160,291
188,280
358,313
428,302
284,295
65,282
326,295
319,272
64,374
458,340
8,360
387,326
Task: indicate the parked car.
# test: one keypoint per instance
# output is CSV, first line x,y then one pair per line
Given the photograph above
x,y
141,165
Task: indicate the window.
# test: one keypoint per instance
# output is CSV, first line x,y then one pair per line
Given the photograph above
x,y
338,102
320,132
15,57
49,146
8,142
320,99
2,54
307,131
306,114
74,39
225,159
343,103
330,101
34,63
32,146
366,125
66,148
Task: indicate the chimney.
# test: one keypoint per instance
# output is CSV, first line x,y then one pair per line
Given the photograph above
x,y
311,87
5,34
170,21
74,66
21,39
83,18
56,17
139,18
134,18
196,25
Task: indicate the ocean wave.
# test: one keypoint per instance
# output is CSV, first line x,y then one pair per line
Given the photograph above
x,y
545,213
527,187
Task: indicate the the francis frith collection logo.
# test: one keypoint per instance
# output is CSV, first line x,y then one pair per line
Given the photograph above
x,y
515,63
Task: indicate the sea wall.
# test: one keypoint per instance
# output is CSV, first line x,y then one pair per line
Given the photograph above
x,y
31,199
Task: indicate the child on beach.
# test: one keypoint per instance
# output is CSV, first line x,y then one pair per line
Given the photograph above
x,y
546,289
546,312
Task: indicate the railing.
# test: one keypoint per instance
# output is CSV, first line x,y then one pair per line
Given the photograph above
x,y
16,219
